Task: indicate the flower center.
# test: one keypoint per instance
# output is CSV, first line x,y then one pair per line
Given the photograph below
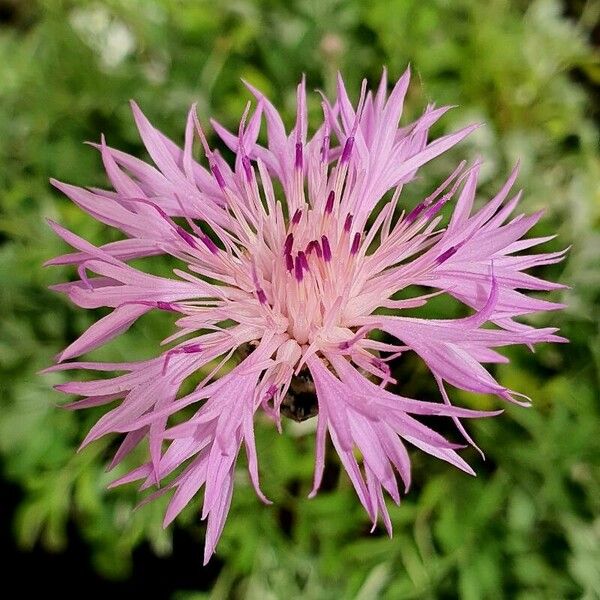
x,y
312,276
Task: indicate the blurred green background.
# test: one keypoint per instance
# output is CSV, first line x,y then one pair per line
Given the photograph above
x,y
528,526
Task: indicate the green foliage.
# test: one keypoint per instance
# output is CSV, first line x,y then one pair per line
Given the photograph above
x,y
528,526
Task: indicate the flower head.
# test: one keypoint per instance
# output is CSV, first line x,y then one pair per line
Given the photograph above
x,y
293,279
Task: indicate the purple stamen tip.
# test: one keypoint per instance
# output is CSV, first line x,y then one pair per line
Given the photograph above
x,y
298,273
415,212
186,236
326,248
355,243
161,212
289,242
297,216
329,203
160,304
217,174
344,345
444,256
348,223
262,297
191,348
347,152
289,262
212,247
303,261
247,167
430,212
317,248
299,161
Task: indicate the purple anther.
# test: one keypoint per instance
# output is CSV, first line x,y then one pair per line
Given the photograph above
x,y
347,152
262,297
212,247
355,243
289,242
161,212
317,248
247,167
289,262
186,236
297,216
298,272
303,261
348,223
444,256
299,161
326,248
190,348
217,174
329,203
432,210
160,304
414,213
187,349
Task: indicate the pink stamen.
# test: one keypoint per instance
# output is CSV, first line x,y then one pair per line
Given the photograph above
x,y
297,216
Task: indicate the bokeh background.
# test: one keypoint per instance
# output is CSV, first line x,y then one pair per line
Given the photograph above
x,y
528,526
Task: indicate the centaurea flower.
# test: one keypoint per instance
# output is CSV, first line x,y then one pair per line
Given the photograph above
x,y
294,285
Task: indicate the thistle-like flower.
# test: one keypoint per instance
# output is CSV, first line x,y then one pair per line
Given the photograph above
x,y
293,279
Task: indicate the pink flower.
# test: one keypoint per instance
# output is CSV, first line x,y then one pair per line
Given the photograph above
x,y
295,284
